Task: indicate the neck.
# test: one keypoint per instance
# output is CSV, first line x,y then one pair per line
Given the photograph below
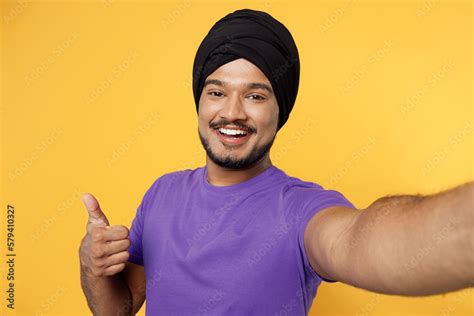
x,y
219,176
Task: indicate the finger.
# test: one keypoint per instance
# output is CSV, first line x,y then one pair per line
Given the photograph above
x,y
117,258
116,246
114,269
115,232
96,216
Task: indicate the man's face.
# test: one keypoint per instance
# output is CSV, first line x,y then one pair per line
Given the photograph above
x,y
237,97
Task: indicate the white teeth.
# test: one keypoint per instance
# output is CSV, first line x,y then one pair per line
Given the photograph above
x,y
232,131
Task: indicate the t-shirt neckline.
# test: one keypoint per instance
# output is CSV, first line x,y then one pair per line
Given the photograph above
x,y
249,183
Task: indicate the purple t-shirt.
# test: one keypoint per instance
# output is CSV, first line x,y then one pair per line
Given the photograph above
x,y
233,250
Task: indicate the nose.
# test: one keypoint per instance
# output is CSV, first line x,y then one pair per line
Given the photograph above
x,y
233,109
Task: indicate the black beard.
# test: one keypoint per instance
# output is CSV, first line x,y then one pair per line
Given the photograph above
x,y
229,162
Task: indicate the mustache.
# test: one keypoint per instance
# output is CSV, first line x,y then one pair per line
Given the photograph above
x,y
238,124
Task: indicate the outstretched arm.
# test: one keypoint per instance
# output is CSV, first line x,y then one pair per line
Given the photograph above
x,y
405,245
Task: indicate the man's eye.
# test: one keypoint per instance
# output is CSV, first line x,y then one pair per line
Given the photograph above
x,y
256,97
215,93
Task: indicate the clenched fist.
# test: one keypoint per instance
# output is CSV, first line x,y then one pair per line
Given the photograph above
x,y
104,248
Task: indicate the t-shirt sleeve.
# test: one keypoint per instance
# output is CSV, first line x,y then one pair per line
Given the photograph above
x,y
136,230
136,249
322,199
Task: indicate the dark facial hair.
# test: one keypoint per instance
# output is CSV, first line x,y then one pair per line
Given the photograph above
x,y
232,163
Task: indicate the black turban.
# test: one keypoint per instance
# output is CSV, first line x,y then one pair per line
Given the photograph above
x,y
259,38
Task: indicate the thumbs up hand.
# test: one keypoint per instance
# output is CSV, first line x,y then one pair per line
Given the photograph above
x,y
104,248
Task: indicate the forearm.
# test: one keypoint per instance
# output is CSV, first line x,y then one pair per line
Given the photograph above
x,y
414,245
106,295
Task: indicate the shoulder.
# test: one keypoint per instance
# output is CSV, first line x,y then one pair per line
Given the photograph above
x,y
307,191
298,187
305,198
172,179
177,175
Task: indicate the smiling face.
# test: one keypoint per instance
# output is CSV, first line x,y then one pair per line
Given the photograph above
x,y
238,115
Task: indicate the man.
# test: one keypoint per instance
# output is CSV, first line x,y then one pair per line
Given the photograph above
x,y
239,236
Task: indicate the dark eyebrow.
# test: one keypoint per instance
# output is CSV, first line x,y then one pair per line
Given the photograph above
x,y
213,81
252,85
257,85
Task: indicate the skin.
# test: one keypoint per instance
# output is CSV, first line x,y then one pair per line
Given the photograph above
x,y
410,245
228,100
356,247
111,284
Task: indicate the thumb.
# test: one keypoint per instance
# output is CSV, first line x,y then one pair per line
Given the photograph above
x,y
96,216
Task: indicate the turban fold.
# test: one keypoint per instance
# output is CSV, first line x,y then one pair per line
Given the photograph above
x,y
259,38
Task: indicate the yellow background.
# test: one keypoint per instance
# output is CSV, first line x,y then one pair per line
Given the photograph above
x,y
96,97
